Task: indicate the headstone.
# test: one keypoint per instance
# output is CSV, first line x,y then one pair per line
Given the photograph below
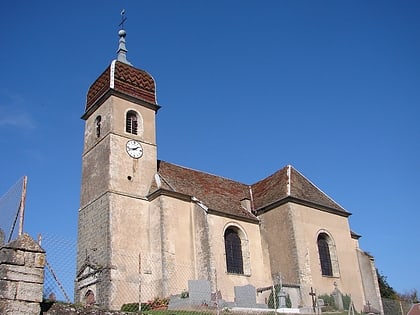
x,y
245,296
338,298
199,292
282,299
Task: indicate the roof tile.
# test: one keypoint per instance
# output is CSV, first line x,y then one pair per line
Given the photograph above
x,y
225,195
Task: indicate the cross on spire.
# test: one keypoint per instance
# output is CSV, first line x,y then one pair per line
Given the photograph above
x,y
123,19
122,50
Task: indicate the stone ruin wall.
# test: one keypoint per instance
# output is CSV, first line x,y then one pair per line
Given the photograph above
x,y
21,276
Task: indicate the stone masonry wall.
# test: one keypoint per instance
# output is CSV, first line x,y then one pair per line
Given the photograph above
x,y
21,276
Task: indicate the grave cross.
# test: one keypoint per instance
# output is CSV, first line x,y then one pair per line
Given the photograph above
x,y
313,294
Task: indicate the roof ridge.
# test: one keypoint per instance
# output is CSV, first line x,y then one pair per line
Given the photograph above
x,y
166,181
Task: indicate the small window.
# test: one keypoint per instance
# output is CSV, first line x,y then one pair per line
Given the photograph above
x,y
324,255
233,248
131,122
98,126
90,298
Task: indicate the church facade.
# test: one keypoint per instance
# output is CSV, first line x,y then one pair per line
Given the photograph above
x,y
146,227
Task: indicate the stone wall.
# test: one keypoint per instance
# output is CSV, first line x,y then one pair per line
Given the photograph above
x,y
369,280
21,277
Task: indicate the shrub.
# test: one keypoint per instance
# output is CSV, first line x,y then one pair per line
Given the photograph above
x,y
130,307
329,303
346,301
288,301
271,302
156,303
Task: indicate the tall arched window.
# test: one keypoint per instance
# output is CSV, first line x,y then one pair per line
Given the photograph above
x,y
131,122
233,248
324,255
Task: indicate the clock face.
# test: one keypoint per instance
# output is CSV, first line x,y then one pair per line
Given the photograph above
x,y
134,149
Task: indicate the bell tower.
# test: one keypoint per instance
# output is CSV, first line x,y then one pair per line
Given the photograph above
x,y
119,162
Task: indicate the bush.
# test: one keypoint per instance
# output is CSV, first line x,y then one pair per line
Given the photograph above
x,y
156,303
288,301
346,301
130,307
271,302
329,303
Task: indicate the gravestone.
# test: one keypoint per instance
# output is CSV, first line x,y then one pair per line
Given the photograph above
x,y
282,299
245,296
338,298
199,292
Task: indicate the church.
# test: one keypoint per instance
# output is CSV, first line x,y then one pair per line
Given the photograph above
x,y
147,227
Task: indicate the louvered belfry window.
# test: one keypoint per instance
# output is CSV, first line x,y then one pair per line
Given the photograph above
x,y
324,255
233,248
131,122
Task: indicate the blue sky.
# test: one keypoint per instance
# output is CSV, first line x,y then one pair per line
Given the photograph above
x,y
246,87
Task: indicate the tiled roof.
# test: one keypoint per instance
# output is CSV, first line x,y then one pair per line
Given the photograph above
x,y
288,182
215,192
225,195
124,79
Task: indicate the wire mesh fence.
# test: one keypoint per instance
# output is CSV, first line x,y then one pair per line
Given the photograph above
x,y
9,211
141,283
60,267
396,307
133,283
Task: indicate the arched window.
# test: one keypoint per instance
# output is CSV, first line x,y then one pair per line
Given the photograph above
x,y
324,255
98,126
131,122
233,248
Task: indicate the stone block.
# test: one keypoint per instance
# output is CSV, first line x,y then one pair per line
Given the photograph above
x,y
39,260
31,292
12,256
18,308
22,273
7,290
26,243
35,260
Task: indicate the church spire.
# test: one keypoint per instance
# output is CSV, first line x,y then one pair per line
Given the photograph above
x,y
122,50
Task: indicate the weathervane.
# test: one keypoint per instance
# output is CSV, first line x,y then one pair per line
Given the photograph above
x,y
123,19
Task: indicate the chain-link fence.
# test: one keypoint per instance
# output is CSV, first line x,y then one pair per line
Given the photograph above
x,y
136,282
140,283
396,307
60,267
10,206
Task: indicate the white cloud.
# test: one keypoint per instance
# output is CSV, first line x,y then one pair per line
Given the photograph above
x,y
13,113
20,120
